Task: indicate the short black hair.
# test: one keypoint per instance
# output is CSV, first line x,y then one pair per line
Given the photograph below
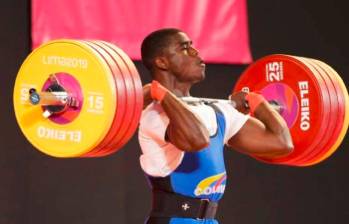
x,y
154,43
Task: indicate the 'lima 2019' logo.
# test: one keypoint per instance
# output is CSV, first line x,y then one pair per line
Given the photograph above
x,y
211,185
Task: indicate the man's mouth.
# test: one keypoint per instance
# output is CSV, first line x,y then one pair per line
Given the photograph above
x,y
202,63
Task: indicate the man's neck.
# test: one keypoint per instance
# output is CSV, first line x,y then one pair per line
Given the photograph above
x,y
173,85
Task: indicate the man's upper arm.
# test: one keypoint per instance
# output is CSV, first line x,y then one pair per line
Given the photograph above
x,y
234,120
153,124
254,139
159,157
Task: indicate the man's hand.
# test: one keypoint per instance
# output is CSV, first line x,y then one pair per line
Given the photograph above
x,y
241,103
153,91
146,95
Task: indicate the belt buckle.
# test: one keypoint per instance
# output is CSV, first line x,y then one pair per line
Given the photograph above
x,y
203,208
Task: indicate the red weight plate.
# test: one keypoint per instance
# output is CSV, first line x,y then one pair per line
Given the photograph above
x,y
335,136
138,93
293,85
318,140
123,133
331,121
121,109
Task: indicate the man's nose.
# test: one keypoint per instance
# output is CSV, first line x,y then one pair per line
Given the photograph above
x,y
193,51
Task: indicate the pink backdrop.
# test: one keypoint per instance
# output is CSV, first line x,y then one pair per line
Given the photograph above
x,y
218,27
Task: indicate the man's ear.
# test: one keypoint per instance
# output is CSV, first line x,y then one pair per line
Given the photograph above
x,y
161,63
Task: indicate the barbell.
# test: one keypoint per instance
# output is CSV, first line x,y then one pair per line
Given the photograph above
x,y
75,98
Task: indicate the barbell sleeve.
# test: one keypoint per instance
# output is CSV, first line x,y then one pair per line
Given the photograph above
x,y
59,98
48,98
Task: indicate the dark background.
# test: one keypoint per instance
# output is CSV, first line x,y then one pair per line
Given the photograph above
x,y
37,189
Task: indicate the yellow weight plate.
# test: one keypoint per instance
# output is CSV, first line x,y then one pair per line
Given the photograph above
x,y
95,117
345,104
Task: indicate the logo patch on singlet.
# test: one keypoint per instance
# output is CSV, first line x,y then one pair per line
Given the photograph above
x,y
211,185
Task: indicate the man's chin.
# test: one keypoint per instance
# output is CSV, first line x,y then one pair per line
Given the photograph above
x,y
203,76
199,78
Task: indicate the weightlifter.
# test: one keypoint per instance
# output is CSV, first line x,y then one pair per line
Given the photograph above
x,y
182,143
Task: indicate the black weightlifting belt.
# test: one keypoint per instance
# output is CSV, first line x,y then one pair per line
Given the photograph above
x,y
167,204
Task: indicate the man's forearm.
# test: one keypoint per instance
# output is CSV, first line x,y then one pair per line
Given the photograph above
x,y
273,122
185,130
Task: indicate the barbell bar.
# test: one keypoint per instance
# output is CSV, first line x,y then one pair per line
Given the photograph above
x,y
84,85
63,99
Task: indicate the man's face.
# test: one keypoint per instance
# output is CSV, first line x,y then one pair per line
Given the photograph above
x,y
184,60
